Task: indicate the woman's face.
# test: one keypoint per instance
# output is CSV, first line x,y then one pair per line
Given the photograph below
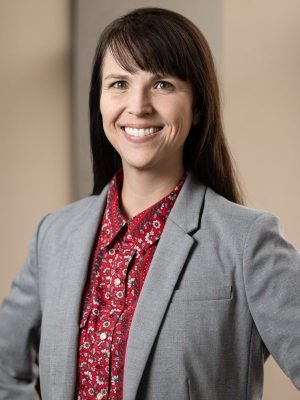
x,y
146,117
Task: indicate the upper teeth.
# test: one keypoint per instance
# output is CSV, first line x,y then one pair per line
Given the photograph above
x,y
140,131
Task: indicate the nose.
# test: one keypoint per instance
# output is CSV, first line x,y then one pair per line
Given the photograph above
x,y
139,102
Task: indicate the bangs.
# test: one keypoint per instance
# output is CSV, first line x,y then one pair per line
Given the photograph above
x,y
149,47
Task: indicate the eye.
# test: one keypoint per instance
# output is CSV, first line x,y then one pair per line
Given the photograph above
x,y
163,85
119,85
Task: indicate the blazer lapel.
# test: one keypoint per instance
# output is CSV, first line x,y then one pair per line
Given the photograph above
x,y
75,262
169,258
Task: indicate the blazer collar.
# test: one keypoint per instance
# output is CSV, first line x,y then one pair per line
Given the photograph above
x,y
187,210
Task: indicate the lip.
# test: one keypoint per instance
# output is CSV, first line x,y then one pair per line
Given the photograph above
x,y
140,139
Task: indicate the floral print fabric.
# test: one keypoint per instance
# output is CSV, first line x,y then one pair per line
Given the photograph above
x,y
120,262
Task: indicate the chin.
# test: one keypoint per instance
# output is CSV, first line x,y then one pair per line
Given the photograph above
x,y
139,165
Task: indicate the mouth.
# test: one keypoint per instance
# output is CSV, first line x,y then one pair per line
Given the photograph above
x,y
141,132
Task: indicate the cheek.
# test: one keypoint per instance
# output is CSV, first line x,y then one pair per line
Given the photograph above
x,y
101,103
105,106
178,112
110,110
181,123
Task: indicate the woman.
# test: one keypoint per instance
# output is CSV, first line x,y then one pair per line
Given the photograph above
x,y
161,285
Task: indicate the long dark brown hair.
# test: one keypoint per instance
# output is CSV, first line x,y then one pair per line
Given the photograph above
x,y
163,41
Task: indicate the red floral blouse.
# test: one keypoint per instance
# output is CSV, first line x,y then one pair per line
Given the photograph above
x,y
121,259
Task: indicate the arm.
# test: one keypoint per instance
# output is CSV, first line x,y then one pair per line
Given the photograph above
x,y
272,282
20,318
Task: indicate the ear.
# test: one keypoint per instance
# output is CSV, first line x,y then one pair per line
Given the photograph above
x,y
196,118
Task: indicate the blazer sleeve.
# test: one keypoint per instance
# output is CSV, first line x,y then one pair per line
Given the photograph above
x,y
271,267
20,318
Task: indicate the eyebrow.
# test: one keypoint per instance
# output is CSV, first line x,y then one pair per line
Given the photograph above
x,y
121,77
115,76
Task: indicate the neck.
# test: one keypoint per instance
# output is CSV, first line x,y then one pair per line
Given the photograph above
x,y
141,189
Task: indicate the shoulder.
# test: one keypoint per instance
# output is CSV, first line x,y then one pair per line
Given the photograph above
x,y
199,206
64,221
228,209
214,205
235,221
72,209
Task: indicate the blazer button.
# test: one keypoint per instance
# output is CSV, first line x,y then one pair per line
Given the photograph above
x,y
103,336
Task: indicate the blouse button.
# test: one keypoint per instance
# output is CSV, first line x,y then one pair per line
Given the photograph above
x,y
103,336
100,396
117,281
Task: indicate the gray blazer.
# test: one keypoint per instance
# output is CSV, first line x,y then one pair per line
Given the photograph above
x,y
223,291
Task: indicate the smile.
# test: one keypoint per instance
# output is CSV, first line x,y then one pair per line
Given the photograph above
x,y
141,132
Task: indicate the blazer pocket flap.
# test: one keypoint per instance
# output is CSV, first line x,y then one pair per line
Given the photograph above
x,y
202,293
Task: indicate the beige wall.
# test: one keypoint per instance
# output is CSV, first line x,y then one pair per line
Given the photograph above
x,y
260,80
34,124
261,85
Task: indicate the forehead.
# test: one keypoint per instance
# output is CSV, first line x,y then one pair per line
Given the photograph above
x,y
112,69
112,64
